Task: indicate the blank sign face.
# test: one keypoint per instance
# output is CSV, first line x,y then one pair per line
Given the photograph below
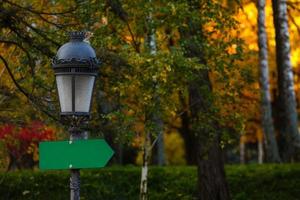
x,y
76,154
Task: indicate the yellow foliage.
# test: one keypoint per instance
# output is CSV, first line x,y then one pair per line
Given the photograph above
x,y
248,29
174,149
247,17
232,49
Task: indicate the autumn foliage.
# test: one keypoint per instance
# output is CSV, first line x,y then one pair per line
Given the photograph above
x,y
21,143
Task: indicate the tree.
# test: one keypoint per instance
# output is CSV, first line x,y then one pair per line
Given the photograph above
x,y
158,153
190,139
148,71
198,64
286,101
30,33
267,120
151,46
211,174
27,44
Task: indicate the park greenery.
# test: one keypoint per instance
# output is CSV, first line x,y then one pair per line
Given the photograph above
x,y
185,82
274,182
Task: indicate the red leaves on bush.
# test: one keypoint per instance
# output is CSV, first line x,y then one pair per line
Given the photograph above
x,y
35,132
6,130
24,140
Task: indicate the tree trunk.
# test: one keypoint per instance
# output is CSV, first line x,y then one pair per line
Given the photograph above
x,y
260,150
190,142
267,121
211,174
287,111
158,155
159,148
156,119
210,164
144,175
13,163
242,150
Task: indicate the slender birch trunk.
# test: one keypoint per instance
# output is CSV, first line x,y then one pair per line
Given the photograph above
x,y
267,121
144,175
160,149
159,125
151,43
260,150
288,117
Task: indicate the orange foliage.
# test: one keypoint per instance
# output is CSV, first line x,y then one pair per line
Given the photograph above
x,y
247,17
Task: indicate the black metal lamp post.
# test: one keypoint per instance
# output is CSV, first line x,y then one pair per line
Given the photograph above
x,y
76,68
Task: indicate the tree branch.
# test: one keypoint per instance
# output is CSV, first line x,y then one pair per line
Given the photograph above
x,y
117,9
294,22
42,48
57,25
31,63
135,44
41,12
292,5
39,32
28,96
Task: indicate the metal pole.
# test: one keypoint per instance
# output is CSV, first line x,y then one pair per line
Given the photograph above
x,y
75,184
75,134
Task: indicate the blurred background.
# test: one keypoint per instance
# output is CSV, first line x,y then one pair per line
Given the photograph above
x,y
145,89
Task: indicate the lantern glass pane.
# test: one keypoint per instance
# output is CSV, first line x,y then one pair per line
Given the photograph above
x,y
83,92
64,86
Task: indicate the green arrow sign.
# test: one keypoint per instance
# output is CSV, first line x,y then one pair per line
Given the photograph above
x,y
76,154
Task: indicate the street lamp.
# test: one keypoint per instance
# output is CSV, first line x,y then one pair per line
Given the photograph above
x,y
76,67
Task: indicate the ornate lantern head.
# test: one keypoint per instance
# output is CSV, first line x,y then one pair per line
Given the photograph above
x,y
76,68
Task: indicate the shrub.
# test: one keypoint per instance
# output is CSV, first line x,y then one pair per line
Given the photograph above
x,y
21,143
274,182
